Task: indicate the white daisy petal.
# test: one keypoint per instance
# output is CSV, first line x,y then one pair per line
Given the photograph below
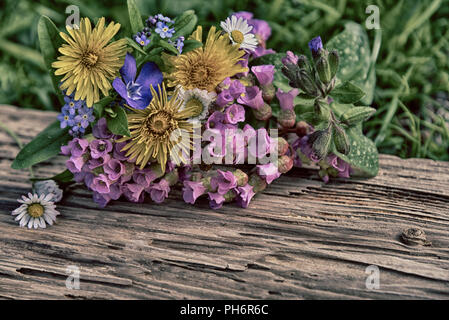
x,y
44,210
239,32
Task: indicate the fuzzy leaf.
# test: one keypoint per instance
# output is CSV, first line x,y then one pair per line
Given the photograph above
x,y
354,54
135,18
347,93
50,41
184,24
357,115
363,156
118,122
44,146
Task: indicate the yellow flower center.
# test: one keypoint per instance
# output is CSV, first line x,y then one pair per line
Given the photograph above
x,y
195,106
71,104
35,210
237,36
142,43
89,59
160,123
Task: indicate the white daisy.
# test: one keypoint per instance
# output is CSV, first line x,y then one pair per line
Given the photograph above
x,y
199,100
35,211
239,32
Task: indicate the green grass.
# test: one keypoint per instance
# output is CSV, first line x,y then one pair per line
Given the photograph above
x,y
412,71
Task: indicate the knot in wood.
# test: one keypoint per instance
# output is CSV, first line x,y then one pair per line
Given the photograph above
x,y
415,237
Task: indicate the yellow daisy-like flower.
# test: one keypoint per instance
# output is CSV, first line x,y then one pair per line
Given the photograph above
x,y
88,62
156,130
204,68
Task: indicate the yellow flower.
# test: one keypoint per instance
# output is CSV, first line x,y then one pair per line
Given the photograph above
x,y
206,67
88,62
155,130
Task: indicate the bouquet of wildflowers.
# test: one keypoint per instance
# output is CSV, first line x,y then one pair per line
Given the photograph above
x,y
170,104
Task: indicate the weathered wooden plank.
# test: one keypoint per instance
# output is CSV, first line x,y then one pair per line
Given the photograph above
x,y
299,239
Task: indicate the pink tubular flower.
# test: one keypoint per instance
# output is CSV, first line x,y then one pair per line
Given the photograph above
x,y
100,130
159,191
144,177
215,121
75,164
235,113
252,97
101,199
224,98
99,148
264,73
100,184
286,98
192,190
245,194
223,182
133,192
290,58
114,169
268,171
76,147
236,89
216,200
100,161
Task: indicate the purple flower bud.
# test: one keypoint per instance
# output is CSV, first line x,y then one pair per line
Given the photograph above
x,y
315,45
100,130
243,14
252,97
235,113
268,171
216,200
264,73
192,190
245,194
290,58
286,98
114,169
101,184
223,182
159,191
100,148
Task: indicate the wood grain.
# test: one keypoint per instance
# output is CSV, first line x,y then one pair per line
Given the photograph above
x,y
300,239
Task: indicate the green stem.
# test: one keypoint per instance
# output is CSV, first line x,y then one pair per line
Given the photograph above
x,y
16,140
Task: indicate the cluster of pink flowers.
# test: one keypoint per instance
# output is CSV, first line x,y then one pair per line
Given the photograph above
x,y
103,168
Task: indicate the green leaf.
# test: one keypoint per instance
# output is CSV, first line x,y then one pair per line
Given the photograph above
x,y
164,44
363,156
347,93
185,24
44,146
100,105
50,41
118,123
63,177
135,18
190,45
135,45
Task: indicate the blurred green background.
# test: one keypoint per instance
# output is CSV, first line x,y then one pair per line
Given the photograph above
x,y
412,71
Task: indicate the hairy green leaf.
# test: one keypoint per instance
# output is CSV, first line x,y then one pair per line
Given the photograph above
x,y
118,121
185,24
347,93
